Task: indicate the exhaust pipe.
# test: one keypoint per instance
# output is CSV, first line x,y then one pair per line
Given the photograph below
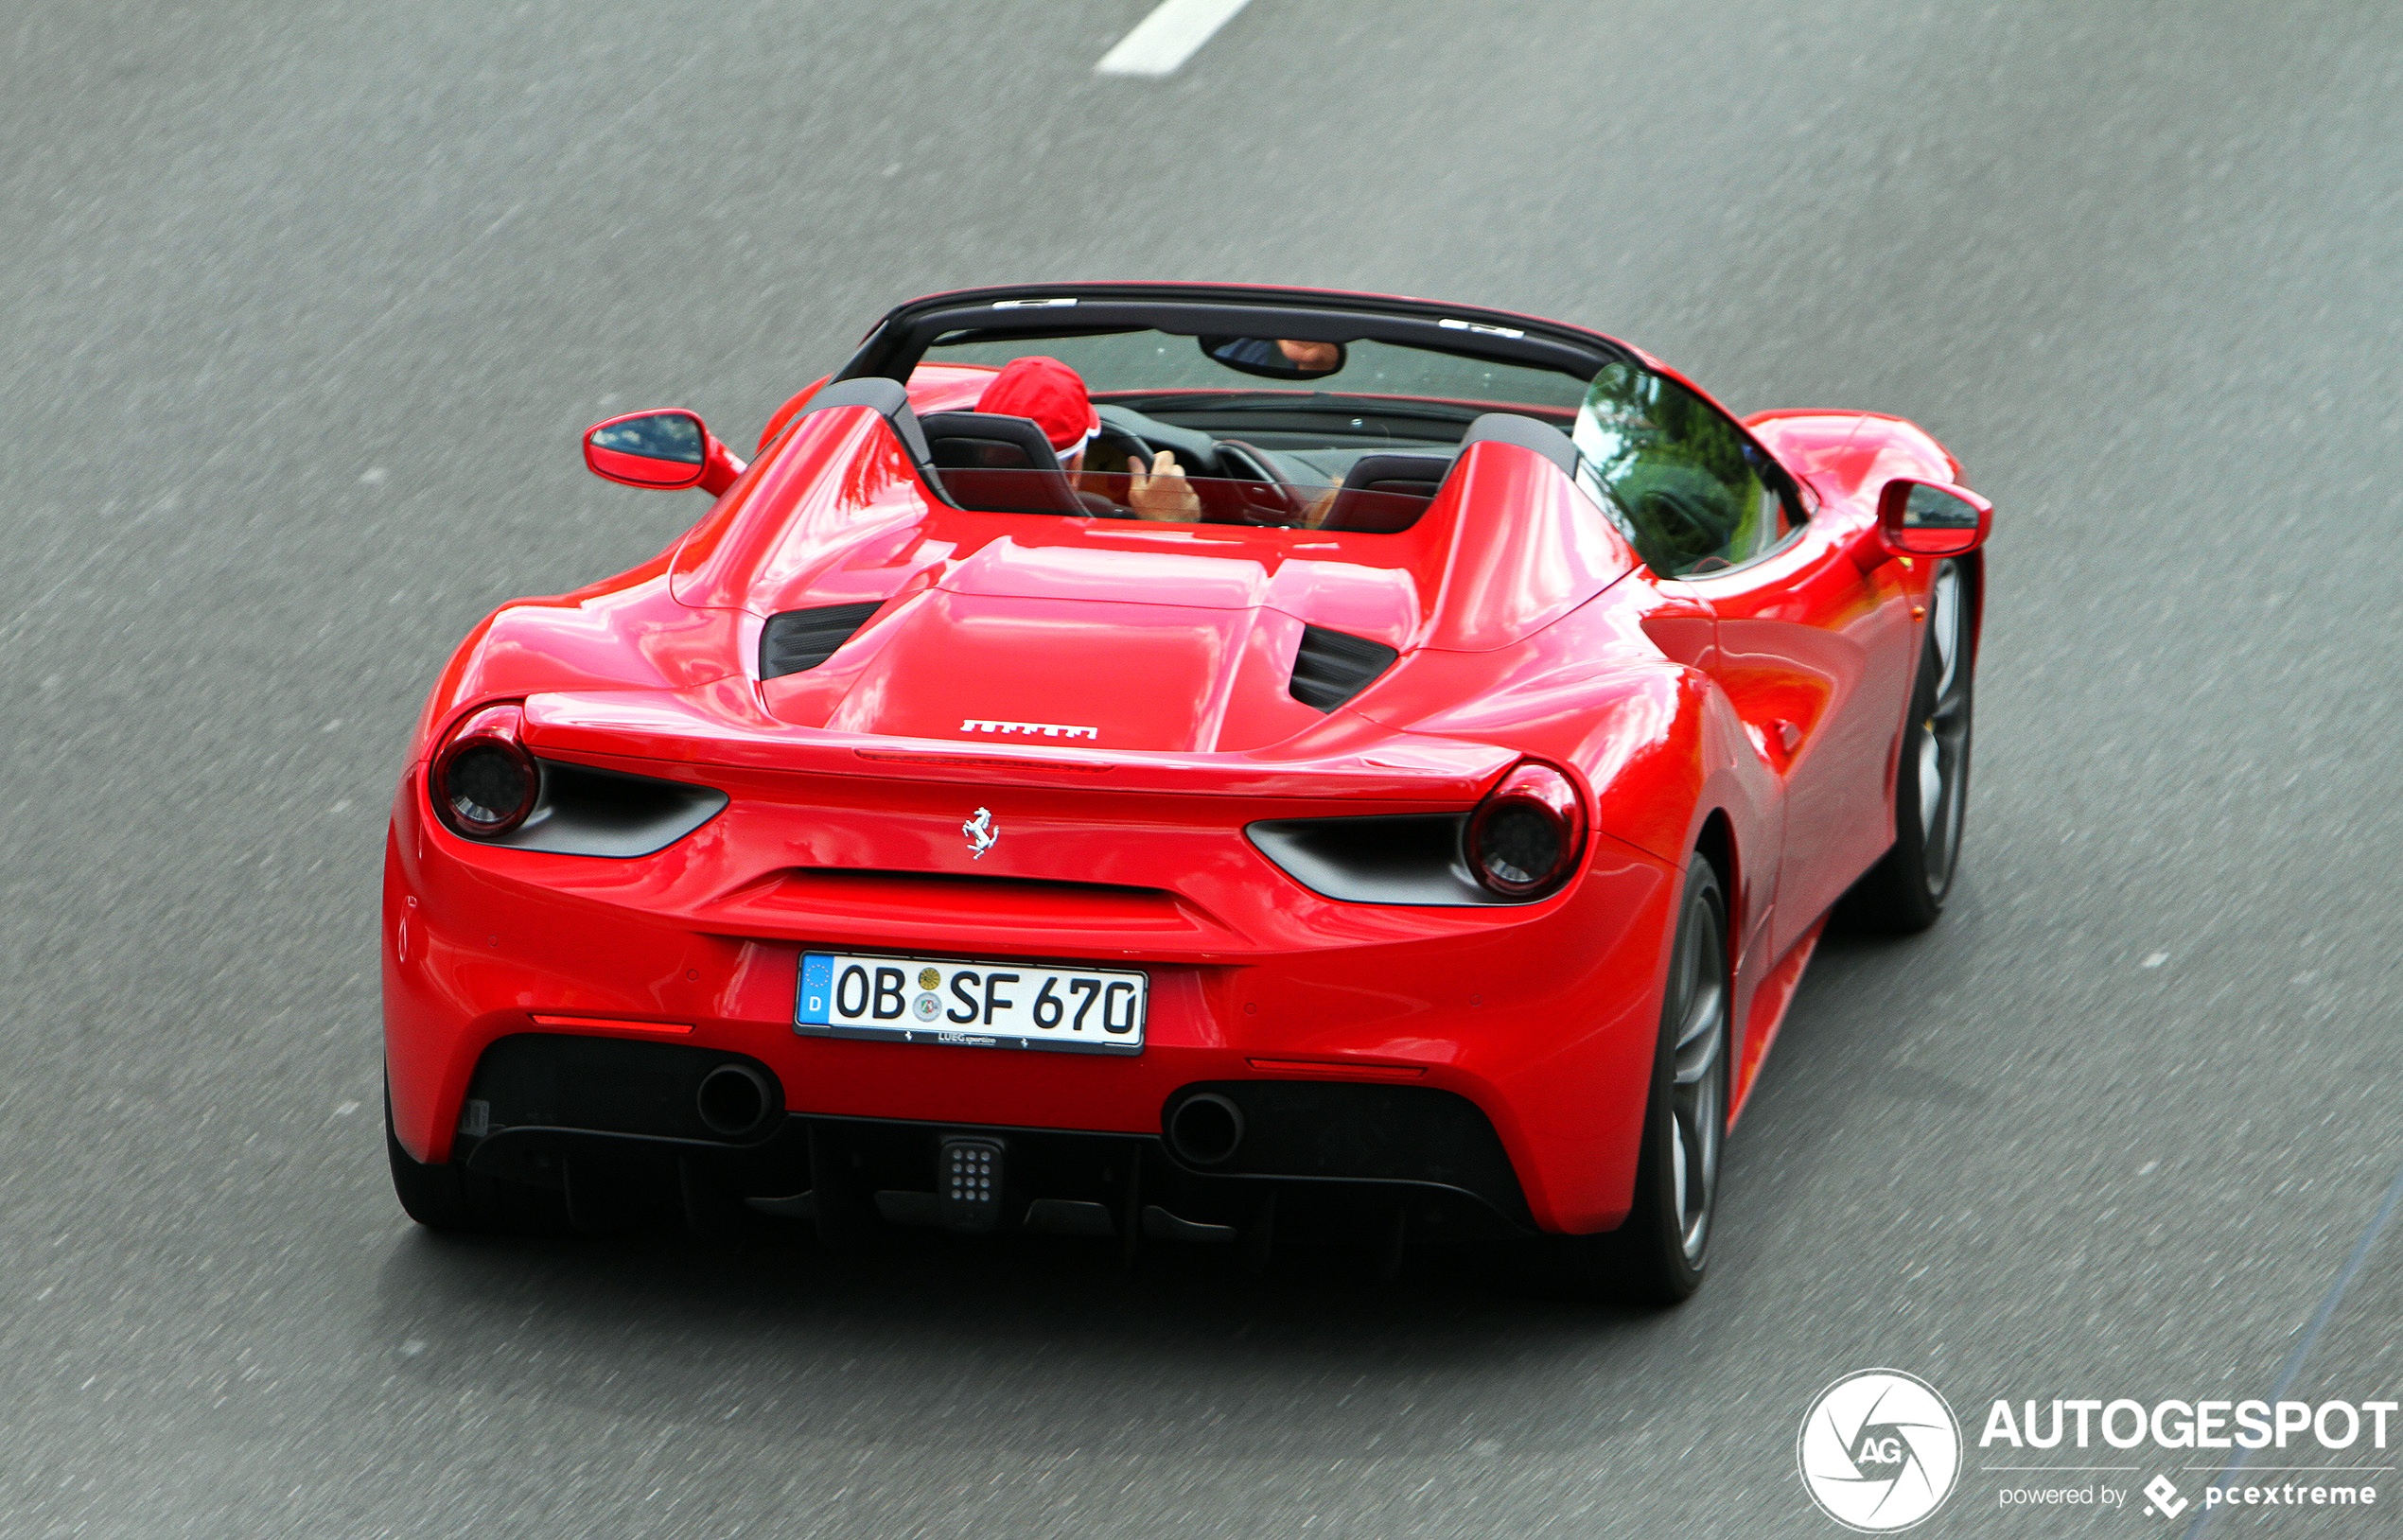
x,y
734,1100
1205,1130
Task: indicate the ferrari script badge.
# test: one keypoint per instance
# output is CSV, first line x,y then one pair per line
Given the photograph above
x,y
1029,729
979,831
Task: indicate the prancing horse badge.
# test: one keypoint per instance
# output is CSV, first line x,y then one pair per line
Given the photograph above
x,y
979,831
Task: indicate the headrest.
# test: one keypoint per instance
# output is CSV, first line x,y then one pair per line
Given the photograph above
x,y
999,463
986,441
1417,473
1367,502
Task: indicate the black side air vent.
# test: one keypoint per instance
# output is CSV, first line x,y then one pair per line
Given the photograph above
x,y
803,639
1331,668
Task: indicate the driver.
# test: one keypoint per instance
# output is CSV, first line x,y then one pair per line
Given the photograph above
x,y
1054,398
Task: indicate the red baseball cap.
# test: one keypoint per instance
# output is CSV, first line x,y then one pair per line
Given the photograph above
x,y
1051,394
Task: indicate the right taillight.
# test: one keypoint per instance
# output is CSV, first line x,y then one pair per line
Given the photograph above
x,y
1524,839
485,782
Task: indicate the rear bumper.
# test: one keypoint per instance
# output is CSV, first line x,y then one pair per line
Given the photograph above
x,y
1316,1161
1541,1020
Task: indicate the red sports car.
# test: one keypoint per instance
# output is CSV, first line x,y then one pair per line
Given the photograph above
x,y
1183,763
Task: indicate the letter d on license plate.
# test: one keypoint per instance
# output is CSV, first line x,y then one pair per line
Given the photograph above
x,y
977,1005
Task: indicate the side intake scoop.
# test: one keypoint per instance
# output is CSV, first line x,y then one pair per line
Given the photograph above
x,y
803,639
1331,667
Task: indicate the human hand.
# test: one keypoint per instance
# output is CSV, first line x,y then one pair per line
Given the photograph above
x,y
1161,493
1311,357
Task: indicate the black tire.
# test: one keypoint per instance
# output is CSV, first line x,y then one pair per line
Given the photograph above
x,y
1660,1255
434,1195
1905,892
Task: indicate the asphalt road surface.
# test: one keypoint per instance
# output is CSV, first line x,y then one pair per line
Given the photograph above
x,y
305,305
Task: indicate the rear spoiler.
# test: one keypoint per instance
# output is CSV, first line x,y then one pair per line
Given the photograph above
x,y
721,723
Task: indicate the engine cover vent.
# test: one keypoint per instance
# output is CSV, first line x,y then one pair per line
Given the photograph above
x,y
803,639
1331,667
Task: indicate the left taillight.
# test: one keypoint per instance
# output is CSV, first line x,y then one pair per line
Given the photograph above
x,y
483,781
1525,838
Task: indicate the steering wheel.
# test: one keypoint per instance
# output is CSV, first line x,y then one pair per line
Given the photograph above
x,y
1110,450
1268,498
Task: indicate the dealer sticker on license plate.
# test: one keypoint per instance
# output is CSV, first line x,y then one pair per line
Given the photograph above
x,y
976,1005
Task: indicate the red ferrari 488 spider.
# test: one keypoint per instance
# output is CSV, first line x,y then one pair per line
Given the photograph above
x,y
1183,763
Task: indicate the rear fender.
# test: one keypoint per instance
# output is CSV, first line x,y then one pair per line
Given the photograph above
x,y
1658,742
627,634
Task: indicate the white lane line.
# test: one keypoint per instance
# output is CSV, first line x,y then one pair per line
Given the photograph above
x,y
2303,1346
1174,32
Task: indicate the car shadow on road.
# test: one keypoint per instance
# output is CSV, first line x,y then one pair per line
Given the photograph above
x,y
1860,1064
1034,1345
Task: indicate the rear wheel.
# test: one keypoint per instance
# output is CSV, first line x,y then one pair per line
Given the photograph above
x,y
1905,891
1658,1255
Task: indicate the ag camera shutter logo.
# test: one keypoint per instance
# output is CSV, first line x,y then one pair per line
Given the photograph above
x,y
1878,1450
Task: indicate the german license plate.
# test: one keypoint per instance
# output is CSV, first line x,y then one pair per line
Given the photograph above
x,y
976,1005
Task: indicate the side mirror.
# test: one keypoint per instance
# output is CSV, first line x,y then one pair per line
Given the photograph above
x,y
661,451
1930,519
1272,358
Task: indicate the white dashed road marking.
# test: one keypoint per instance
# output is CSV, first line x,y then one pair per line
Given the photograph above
x,y
1162,41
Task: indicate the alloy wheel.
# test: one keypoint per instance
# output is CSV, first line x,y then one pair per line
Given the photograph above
x,y
1943,751
1697,1090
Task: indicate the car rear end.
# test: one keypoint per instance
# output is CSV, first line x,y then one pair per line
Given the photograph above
x,y
1154,997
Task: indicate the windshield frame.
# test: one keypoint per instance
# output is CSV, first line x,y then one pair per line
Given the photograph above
x,y
901,340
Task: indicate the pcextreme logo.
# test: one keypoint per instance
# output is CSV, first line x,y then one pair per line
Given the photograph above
x,y
1878,1450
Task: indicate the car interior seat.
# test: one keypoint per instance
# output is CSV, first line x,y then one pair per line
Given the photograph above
x,y
998,462
1360,503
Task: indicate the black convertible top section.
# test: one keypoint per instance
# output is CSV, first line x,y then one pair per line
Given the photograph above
x,y
884,395
894,346
803,639
1332,667
1528,433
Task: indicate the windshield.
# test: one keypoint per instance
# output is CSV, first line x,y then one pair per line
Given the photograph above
x,y
1119,365
1279,432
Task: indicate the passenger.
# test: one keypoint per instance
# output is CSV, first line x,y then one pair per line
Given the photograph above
x,y
1053,395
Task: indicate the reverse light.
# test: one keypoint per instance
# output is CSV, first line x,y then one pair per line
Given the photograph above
x,y
485,782
1525,838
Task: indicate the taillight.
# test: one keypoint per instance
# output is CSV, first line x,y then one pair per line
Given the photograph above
x,y
485,783
1526,837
